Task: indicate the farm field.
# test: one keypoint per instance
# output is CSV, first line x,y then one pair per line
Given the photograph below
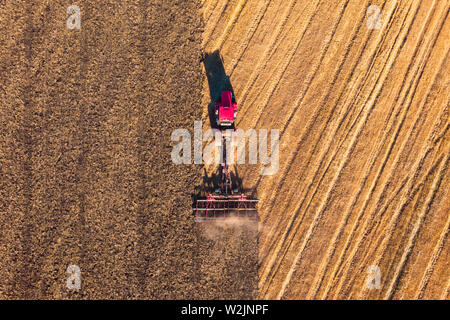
x,y
87,179
364,152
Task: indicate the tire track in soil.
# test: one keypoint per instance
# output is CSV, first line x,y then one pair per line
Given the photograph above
x,y
36,235
411,191
280,184
24,280
414,196
431,196
446,292
108,159
429,271
219,13
395,137
167,247
64,248
38,238
369,85
249,35
434,258
208,9
319,211
310,159
304,137
358,194
231,23
276,80
419,114
336,73
262,62
296,104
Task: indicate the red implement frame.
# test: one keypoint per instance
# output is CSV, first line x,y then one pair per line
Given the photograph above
x,y
216,207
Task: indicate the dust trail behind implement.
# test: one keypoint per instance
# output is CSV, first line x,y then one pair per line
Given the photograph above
x,y
228,258
86,176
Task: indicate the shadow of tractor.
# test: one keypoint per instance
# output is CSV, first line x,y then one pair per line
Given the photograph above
x,y
218,81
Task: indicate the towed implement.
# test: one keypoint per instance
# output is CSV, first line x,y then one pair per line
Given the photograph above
x,y
227,200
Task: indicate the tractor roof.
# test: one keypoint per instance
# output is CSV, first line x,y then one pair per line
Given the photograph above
x,y
227,107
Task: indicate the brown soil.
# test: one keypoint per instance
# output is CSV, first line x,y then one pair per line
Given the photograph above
x,y
86,175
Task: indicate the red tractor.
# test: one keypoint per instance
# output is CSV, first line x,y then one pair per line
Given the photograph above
x,y
226,110
227,201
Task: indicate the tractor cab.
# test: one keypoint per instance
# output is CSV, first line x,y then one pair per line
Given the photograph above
x,y
226,110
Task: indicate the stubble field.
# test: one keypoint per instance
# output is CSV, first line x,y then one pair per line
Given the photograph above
x,y
364,143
